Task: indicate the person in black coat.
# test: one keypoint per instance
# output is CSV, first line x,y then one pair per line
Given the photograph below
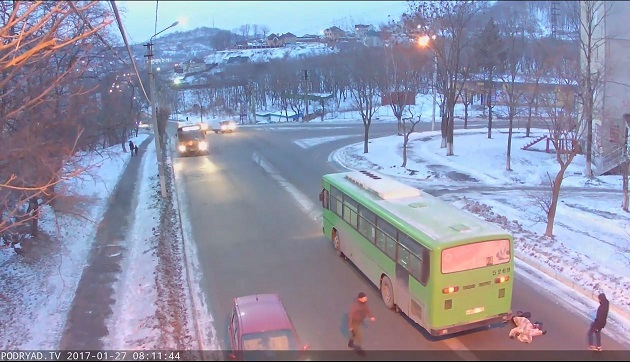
x,y
598,324
131,147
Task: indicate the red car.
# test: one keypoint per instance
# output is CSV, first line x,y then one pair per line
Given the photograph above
x,y
260,323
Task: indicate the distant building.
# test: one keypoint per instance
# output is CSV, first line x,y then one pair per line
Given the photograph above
x,y
308,38
194,65
373,39
273,40
288,38
612,107
334,33
361,30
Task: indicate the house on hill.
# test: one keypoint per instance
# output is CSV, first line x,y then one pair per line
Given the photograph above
x,y
361,30
273,40
334,33
288,38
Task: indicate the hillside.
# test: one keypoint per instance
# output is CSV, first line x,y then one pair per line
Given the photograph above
x,y
290,51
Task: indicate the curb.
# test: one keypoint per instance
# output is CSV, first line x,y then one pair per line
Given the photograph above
x,y
200,342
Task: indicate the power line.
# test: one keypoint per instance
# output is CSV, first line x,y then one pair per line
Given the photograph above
x,y
156,16
124,36
86,22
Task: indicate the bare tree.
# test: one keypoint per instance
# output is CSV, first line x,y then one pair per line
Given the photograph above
x,y
42,97
401,83
514,35
245,31
408,127
490,55
366,83
564,133
255,29
450,20
222,40
466,98
532,93
264,29
591,38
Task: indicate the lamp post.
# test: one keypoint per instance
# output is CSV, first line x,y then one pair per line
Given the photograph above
x,y
157,140
424,42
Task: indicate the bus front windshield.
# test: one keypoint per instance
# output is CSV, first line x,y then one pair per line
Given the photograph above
x,y
475,256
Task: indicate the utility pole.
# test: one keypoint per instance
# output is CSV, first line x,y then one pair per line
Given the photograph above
x,y
156,131
305,93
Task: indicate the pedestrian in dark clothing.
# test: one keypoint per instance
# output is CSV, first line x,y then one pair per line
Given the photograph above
x,y
131,147
358,312
135,149
598,324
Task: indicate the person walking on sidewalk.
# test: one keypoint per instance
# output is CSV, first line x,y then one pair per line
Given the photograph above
x,y
358,312
132,147
598,324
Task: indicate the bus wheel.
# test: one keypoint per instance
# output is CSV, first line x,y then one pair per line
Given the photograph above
x,y
336,242
387,292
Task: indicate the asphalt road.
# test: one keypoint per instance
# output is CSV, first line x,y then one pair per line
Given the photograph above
x,y
253,237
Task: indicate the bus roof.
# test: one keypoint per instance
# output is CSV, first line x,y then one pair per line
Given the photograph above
x,y
419,214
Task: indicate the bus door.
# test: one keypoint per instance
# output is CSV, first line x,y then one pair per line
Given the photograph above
x,y
401,293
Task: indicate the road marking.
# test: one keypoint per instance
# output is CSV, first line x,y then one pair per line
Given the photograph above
x,y
305,203
460,349
311,142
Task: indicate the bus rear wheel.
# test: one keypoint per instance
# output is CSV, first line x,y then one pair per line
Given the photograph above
x,y
387,292
337,243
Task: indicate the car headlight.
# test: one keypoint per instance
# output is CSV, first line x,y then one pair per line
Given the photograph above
x,y
223,127
203,145
232,126
182,148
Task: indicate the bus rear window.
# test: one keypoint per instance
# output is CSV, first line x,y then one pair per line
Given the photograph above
x,y
475,256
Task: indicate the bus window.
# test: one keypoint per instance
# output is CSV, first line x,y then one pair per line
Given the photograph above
x,y
386,236
350,209
323,197
403,257
415,268
367,220
410,244
391,248
335,201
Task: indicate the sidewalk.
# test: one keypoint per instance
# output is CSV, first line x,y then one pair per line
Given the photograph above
x,y
91,307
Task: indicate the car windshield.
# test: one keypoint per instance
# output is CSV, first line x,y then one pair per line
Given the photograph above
x,y
190,136
281,340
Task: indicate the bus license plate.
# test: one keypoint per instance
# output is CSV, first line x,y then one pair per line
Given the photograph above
x,y
475,311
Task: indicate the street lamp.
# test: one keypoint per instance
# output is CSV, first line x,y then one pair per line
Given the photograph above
x,y
424,42
156,133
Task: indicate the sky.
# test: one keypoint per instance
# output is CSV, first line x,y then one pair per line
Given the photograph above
x,y
297,17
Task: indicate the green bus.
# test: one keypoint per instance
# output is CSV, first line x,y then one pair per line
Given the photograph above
x,y
446,269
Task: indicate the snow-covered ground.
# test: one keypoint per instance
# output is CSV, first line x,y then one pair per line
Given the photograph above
x,y
36,290
589,250
295,51
134,324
